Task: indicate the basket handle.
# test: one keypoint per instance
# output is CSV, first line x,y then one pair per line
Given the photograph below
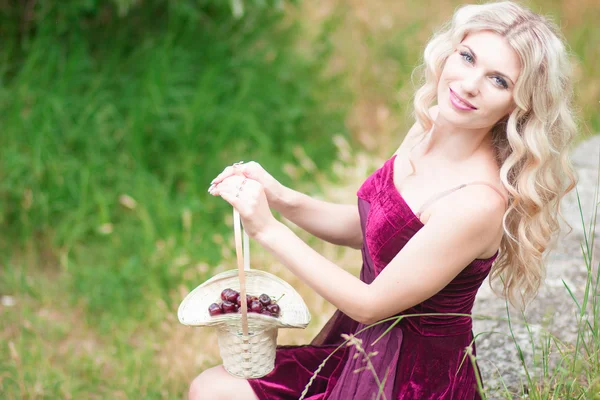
x,y
243,261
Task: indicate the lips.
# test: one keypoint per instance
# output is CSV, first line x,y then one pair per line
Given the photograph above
x,y
459,102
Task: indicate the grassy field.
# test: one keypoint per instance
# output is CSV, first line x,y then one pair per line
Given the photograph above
x,y
109,145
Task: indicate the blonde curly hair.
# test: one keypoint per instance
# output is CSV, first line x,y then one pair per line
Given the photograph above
x,y
531,145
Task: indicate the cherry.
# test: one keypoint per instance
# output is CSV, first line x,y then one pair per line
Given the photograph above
x,y
224,293
274,309
215,309
229,307
232,295
266,312
264,299
255,306
232,303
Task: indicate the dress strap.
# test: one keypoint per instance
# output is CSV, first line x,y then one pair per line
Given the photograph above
x,y
447,192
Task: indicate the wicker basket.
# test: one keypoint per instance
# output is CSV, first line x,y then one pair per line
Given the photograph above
x,y
251,355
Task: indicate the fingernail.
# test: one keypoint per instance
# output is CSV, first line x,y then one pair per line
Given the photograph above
x,y
211,188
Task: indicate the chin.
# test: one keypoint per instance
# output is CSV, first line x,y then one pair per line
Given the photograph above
x,y
448,113
463,121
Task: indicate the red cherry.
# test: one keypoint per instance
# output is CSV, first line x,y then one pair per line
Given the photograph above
x,y
232,295
264,299
228,307
274,309
255,306
266,312
224,293
215,309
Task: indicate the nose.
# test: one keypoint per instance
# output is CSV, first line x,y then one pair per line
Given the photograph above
x,y
470,84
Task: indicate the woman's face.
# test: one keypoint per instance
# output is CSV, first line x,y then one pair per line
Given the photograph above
x,y
476,87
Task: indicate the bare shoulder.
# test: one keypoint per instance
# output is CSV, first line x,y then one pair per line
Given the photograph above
x,y
474,214
476,210
477,200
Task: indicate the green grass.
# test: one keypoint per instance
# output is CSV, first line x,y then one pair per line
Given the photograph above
x,y
112,132
151,111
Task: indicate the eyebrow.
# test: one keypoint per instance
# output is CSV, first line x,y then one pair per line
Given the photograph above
x,y
495,72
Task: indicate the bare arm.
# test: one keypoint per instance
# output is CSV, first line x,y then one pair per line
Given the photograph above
x,y
335,223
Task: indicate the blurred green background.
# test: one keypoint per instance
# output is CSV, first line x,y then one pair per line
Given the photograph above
x,y
115,117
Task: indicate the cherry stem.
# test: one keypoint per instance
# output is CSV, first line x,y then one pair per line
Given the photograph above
x,y
279,298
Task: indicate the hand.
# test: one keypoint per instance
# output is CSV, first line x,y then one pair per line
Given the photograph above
x,y
248,197
253,170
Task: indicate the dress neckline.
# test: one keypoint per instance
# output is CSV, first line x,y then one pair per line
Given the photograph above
x,y
414,216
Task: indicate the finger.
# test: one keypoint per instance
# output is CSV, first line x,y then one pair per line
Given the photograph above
x,y
231,184
241,168
227,172
219,177
233,181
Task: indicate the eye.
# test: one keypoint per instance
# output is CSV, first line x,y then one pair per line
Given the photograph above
x,y
467,56
498,80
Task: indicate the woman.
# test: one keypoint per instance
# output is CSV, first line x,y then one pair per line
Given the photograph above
x,y
474,188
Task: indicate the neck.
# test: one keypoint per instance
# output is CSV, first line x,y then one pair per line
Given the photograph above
x,y
454,144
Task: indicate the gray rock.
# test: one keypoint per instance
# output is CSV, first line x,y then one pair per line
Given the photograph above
x,y
553,313
586,160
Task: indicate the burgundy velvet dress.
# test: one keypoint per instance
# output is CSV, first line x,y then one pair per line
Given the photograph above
x,y
420,358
